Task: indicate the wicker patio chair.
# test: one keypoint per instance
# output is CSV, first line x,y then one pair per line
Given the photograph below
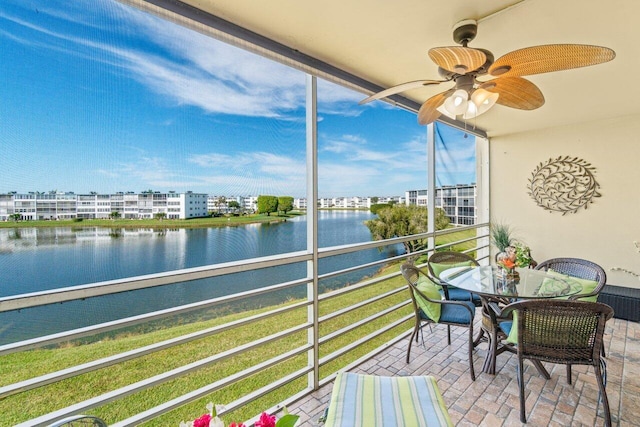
x,y
451,313
441,261
563,332
79,421
578,268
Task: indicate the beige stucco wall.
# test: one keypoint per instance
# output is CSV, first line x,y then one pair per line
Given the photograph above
x,y
605,232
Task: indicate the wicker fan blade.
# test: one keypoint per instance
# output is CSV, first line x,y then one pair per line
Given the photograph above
x,y
428,113
400,88
548,58
457,59
515,92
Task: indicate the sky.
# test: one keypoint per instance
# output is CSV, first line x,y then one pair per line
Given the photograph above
x,y
99,96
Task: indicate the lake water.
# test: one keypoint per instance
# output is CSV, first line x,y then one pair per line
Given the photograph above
x,y
35,259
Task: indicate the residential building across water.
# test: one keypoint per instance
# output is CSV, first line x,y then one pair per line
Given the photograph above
x,y
458,201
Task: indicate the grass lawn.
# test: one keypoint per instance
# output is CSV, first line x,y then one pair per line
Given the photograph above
x,y
21,366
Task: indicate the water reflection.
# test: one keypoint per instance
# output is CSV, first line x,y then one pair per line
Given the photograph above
x,y
36,259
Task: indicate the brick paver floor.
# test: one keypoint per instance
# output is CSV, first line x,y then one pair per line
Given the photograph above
x,y
492,400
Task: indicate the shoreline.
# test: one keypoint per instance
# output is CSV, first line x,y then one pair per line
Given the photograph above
x,y
223,221
154,223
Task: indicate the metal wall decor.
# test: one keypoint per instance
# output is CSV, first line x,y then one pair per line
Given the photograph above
x,y
564,184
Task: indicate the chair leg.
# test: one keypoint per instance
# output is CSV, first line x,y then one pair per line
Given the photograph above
x,y
523,415
448,334
541,369
568,374
471,370
600,376
413,335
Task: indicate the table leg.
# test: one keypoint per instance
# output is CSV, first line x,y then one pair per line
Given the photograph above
x,y
494,336
489,366
480,338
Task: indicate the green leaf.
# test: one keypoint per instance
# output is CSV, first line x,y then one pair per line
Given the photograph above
x,y
287,420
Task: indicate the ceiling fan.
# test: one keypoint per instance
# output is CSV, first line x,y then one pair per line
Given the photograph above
x,y
463,65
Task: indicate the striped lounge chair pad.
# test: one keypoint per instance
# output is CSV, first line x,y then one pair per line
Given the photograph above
x,y
375,401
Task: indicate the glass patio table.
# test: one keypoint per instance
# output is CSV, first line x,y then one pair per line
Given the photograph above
x,y
496,289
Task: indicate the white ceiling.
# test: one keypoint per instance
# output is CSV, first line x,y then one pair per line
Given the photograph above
x,y
386,42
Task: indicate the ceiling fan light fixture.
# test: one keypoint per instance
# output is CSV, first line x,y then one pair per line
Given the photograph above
x,y
456,104
472,111
489,102
479,96
481,101
445,112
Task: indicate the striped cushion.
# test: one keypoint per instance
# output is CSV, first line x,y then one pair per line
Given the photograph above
x,y
374,401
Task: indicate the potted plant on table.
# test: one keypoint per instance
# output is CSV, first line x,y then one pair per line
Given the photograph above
x,y
509,248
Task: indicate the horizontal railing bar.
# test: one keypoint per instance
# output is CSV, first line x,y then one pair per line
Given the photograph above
x,y
458,242
360,285
139,352
330,378
134,320
164,377
359,305
345,249
355,325
355,247
361,266
169,406
449,244
51,296
344,350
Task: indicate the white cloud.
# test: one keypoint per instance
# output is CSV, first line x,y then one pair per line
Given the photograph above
x,y
184,66
354,149
252,173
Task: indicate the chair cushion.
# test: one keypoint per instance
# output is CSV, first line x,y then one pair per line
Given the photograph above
x,y
511,331
378,401
438,268
430,290
457,294
587,285
453,313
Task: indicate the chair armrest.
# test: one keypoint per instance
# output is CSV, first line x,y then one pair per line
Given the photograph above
x,y
580,296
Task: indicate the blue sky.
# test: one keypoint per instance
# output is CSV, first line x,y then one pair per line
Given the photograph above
x,y
98,96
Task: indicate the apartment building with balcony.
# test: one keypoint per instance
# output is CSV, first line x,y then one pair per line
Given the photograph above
x,y
458,201
356,202
68,205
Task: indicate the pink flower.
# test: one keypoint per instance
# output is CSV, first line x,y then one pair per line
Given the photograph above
x,y
203,421
265,420
237,425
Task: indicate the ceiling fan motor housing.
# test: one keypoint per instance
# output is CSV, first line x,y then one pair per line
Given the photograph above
x,y
465,31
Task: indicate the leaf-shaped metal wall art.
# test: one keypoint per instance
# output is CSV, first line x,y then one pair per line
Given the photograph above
x,y
564,184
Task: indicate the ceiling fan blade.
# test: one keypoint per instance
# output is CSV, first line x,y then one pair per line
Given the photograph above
x,y
400,88
457,59
515,92
548,58
428,112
